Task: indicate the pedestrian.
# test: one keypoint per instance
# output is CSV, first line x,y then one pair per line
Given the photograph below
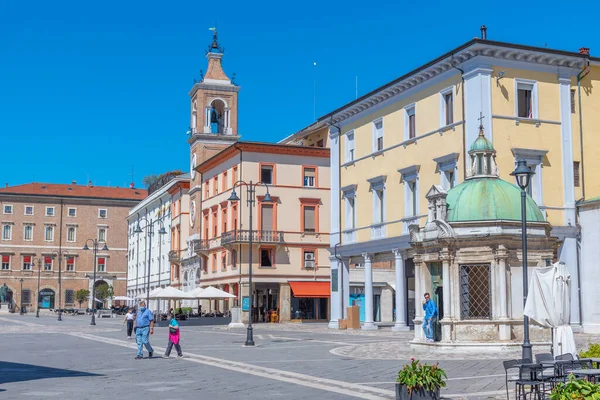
x,y
144,321
174,337
431,312
129,317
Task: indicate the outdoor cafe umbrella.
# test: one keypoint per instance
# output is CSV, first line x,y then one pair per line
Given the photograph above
x,y
142,296
212,293
170,293
123,298
549,304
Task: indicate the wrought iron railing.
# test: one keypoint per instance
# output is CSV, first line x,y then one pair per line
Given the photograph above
x,y
243,236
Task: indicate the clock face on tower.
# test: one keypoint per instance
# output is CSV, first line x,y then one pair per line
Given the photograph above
x,y
192,213
193,166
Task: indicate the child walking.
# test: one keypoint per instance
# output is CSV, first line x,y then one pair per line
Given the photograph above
x,y
129,317
173,337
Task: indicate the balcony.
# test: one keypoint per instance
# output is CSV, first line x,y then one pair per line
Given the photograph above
x,y
378,231
349,236
175,257
202,246
259,237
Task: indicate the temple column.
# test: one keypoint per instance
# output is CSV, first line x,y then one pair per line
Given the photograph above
x,y
369,323
420,267
504,332
446,285
401,324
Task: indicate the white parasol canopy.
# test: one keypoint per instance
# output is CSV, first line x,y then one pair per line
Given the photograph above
x,y
144,295
170,293
196,292
212,293
125,298
549,304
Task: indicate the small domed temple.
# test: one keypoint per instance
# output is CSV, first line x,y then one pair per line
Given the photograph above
x,y
469,255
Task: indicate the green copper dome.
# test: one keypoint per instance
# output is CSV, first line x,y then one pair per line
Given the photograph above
x,y
484,199
482,144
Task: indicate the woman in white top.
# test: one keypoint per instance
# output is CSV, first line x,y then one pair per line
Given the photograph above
x,y
129,317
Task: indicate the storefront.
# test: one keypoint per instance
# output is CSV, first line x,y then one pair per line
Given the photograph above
x,y
310,301
46,298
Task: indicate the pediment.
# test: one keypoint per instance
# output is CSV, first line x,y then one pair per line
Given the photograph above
x,y
435,191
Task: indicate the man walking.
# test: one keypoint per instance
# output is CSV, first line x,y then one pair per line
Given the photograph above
x,y
431,311
145,324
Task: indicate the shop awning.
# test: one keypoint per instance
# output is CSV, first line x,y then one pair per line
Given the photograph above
x,y
310,289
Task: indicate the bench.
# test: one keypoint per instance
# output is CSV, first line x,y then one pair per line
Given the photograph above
x,y
104,314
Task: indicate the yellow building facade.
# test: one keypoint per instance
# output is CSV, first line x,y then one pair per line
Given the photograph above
x,y
391,145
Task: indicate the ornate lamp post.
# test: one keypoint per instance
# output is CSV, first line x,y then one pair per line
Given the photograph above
x,y
138,229
251,201
95,243
21,302
523,175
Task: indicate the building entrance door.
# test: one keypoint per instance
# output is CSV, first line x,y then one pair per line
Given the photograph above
x,y
437,295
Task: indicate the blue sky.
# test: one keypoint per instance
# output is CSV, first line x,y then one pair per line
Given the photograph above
x,y
90,89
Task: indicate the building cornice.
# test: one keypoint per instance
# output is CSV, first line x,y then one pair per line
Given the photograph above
x,y
461,55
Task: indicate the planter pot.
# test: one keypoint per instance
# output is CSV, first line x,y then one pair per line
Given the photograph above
x,y
402,394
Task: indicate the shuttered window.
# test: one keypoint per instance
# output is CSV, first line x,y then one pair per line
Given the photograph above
x,y
309,219
266,217
576,181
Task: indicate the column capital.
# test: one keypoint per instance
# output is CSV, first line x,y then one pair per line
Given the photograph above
x,y
445,255
398,253
367,257
501,253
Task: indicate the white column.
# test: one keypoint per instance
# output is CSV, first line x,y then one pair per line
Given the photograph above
x,y
207,120
336,297
504,329
369,324
400,293
345,271
446,284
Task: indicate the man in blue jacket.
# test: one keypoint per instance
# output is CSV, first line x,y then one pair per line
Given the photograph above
x,y
431,312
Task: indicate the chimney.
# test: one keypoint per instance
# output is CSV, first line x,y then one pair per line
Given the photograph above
x,y
73,182
483,30
584,50
131,186
89,183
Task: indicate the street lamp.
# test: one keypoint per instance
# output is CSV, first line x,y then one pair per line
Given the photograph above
x,y
21,302
95,243
250,200
523,175
150,232
39,263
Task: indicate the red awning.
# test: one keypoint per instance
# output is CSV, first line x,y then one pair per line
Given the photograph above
x,y
70,260
311,289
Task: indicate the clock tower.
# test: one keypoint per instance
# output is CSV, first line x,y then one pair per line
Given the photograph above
x,y
213,122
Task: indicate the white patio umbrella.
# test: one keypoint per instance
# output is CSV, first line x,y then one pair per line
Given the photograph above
x,y
196,292
212,293
549,304
144,295
124,298
170,293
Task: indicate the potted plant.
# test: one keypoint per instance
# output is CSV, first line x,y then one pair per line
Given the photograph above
x,y
575,389
419,381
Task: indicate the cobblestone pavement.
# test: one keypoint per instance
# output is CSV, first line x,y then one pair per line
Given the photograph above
x,y
46,359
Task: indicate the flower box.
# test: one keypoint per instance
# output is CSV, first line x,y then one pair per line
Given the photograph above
x,y
402,394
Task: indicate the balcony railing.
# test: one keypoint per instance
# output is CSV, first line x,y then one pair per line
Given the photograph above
x,y
200,245
378,231
349,236
257,237
174,256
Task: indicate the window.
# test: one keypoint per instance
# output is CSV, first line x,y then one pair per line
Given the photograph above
x,y
8,209
69,296
224,261
309,218
377,136
234,260
320,143
450,179
475,292
215,185
310,176
410,177
378,206
101,264
266,217
447,107
412,193
206,190
215,226
572,101
5,263
28,233
410,126
49,211
26,296
102,213
206,226
309,259
214,262
350,146
26,263
72,212
224,220
350,213
48,263
526,99
6,232
28,210
235,217
266,174
225,181
71,234
70,263
266,257
234,176
102,234
576,182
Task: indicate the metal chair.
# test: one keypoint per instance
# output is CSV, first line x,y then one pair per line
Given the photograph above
x,y
528,376
508,365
